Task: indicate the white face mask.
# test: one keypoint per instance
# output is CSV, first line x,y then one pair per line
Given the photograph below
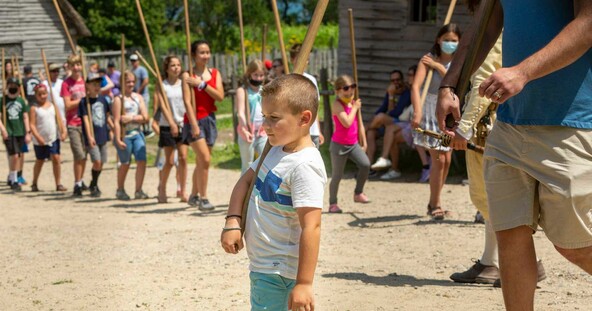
x,y
449,47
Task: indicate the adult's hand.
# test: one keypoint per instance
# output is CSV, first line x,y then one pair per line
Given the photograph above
x,y
448,103
503,84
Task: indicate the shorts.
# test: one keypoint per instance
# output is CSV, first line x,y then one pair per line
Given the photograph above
x,y
98,153
45,152
541,175
406,132
14,145
270,291
207,130
135,145
77,143
166,139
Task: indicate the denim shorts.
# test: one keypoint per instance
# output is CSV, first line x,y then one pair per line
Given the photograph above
x,y
135,145
270,291
207,130
45,152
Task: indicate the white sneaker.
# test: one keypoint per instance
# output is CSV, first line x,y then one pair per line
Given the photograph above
x,y
391,174
381,163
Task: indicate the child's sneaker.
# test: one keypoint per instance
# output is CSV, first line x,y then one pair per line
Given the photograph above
x,y
16,187
95,192
140,195
425,175
193,200
84,187
34,188
361,198
333,208
21,180
77,191
205,205
381,163
391,174
121,195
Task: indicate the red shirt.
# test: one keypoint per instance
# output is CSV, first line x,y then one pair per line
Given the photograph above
x,y
203,101
75,90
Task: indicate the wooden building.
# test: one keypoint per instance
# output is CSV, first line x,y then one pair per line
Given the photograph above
x,y
27,26
390,34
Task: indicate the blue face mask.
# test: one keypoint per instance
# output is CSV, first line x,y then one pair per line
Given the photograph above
x,y
449,47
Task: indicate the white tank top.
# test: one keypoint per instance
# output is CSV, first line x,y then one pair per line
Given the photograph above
x,y
175,96
131,107
46,125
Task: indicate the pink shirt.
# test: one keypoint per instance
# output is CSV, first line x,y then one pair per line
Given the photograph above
x,y
75,90
345,135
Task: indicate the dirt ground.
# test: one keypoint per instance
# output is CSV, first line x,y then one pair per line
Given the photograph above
x,y
102,254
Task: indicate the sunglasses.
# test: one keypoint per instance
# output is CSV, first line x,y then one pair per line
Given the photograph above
x,y
347,87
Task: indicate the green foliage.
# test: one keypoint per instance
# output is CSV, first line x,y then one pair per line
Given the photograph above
x,y
107,19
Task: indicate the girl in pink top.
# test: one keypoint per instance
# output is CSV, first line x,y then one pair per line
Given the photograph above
x,y
344,143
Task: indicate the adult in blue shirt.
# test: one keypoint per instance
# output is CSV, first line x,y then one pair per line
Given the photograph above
x,y
538,159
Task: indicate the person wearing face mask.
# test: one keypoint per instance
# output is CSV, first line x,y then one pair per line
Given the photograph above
x,y
344,142
251,136
17,131
424,115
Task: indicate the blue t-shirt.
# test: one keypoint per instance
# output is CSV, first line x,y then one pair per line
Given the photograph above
x,y
403,102
141,73
563,97
100,108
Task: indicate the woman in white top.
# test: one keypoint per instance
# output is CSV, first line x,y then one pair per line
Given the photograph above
x,y
170,126
130,140
46,137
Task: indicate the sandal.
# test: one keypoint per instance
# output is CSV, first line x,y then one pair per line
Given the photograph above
x,y
437,212
61,188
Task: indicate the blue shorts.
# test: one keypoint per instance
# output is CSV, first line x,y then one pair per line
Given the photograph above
x,y
207,131
135,145
45,152
270,291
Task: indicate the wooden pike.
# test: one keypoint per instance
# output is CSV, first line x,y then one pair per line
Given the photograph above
x,y
313,28
263,42
4,88
88,106
20,79
58,117
70,41
189,55
278,27
361,129
122,82
244,60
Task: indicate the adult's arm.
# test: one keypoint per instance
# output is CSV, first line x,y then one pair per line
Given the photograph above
x,y
568,46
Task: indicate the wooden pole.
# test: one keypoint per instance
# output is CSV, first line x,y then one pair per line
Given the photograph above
x,y
166,107
313,28
263,42
4,88
189,55
20,79
53,101
278,27
244,60
91,126
70,41
352,39
145,62
430,75
122,84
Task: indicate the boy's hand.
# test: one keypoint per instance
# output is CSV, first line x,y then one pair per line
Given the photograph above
x,y
301,298
232,241
121,145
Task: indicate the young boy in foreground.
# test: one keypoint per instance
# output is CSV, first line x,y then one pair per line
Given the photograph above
x,y
283,224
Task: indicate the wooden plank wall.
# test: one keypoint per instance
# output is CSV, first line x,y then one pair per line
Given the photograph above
x,y
386,40
30,25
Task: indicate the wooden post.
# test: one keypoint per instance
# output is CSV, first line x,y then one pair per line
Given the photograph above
x,y
53,101
327,117
242,35
234,84
428,80
4,88
361,130
70,41
166,107
188,44
278,27
313,28
263,42
88,106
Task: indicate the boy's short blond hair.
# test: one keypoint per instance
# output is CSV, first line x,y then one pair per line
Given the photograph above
x,y
74,59
294,90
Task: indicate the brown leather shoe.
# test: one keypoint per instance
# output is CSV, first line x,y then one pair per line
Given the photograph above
x,y
540,273
478,273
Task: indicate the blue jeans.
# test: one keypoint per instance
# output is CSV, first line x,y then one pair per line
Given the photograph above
x,y
270,291
135,145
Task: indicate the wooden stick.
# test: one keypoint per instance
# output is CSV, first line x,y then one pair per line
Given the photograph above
x,y
4,88
91,126
313,28
145,63
20,79
53,101
189,55
122,84
166,107
263,42
72,45
244,60
352,38
445,140
278,27
430,75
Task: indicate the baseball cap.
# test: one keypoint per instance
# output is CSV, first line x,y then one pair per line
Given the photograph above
x,y
134,57
54,66
94,79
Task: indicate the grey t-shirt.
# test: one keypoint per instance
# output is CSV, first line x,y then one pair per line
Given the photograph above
x,y
141,73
